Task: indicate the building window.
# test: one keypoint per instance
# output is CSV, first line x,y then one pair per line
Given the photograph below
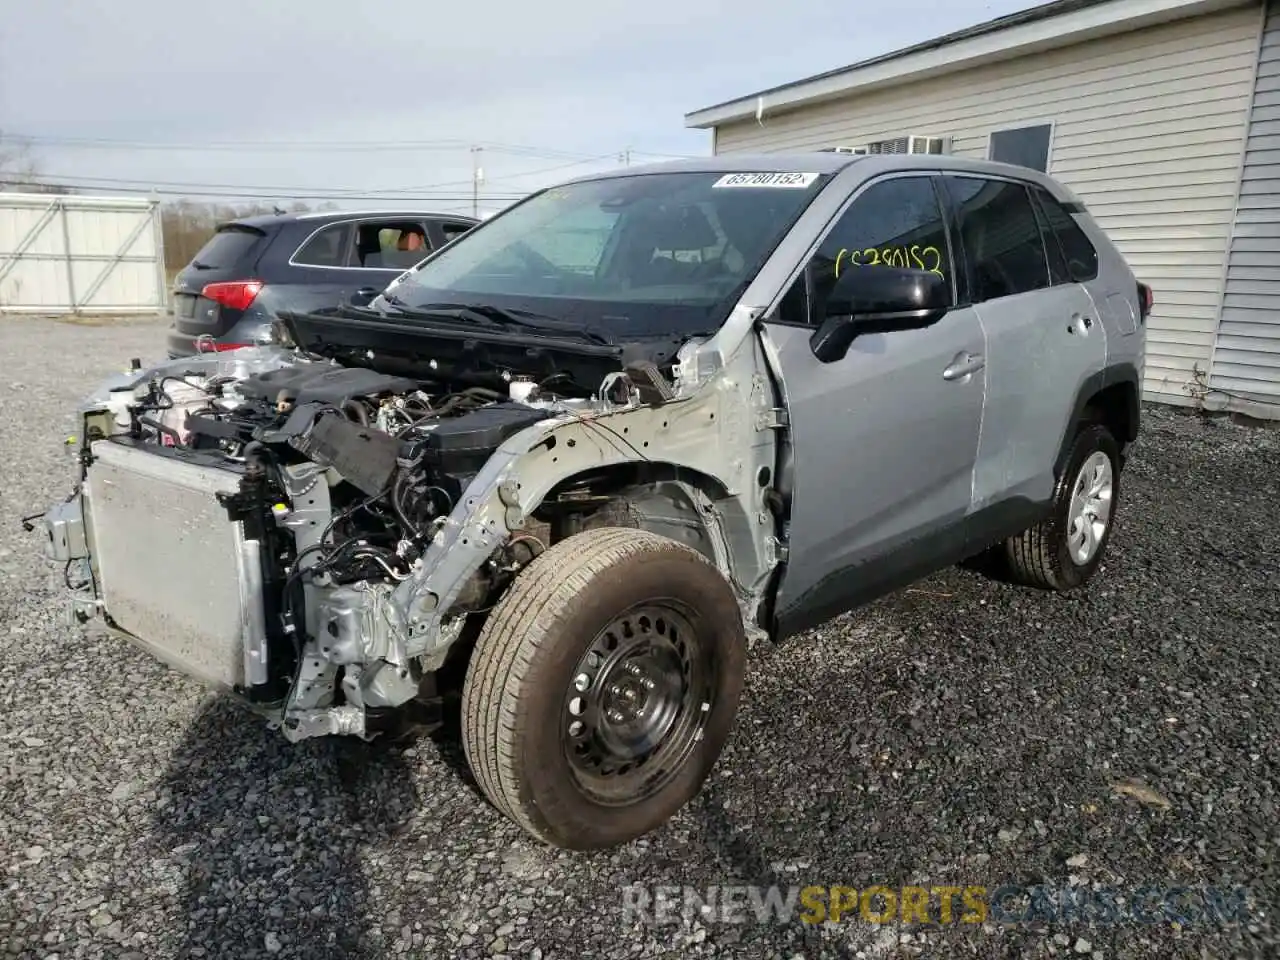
x,y
1024,146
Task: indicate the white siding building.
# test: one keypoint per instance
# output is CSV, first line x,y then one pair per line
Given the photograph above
x,y
1163,115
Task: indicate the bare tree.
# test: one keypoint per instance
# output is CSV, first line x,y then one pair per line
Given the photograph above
x,y
14,162
19,170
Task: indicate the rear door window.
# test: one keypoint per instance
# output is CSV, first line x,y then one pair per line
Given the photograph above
x,y
1077,249
1000,235
326,248
227,248
390,245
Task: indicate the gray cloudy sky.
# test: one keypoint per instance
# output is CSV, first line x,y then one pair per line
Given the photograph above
x,y
565,80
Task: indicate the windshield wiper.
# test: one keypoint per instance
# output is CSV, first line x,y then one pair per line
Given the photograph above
x,y
497,316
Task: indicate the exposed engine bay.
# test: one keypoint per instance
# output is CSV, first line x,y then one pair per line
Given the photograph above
x,y
315,535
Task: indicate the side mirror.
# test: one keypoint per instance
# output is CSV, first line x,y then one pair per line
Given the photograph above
x,y
877,300
364,296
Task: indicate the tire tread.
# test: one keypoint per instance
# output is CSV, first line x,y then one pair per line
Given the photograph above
x,y
1035,555
524,620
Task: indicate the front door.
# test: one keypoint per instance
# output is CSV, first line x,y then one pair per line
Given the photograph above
x,y
884,439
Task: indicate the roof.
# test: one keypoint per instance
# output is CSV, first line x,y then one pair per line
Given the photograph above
x,y
797,162
264,220
830,163
1048,25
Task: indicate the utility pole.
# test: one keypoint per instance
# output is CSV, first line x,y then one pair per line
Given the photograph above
x,y
477,177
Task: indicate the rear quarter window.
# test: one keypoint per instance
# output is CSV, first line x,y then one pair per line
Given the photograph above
x,y
325,248
452,231
1078,251
227,248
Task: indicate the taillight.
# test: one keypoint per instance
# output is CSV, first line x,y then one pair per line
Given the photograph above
x,y
235,294
1146,300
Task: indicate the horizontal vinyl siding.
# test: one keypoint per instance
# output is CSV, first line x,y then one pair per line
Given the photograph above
x,y
1148,130
1246,361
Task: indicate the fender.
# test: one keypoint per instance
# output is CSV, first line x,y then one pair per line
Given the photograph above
x,y
1126,418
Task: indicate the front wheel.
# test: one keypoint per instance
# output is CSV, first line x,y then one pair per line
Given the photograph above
x,y
603,687
1064,550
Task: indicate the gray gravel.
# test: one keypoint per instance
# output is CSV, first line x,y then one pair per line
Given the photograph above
x,y
962,733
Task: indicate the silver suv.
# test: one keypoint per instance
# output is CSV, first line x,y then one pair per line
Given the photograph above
x,y
583,456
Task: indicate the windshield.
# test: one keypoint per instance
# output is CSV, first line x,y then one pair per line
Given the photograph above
x,y
643,255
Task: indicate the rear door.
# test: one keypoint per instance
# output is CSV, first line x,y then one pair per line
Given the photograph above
x,y
1044,337
229,256
315,273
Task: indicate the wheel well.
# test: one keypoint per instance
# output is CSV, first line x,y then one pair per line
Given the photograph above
x,y
585,492
1116,408
660,497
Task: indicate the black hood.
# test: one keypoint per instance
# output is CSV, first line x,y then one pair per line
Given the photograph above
x,y
461,352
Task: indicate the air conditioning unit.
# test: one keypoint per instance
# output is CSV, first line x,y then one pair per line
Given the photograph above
x,y
897,145
919,144
860,151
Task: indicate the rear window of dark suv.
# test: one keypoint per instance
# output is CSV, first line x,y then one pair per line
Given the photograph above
x,y
226,248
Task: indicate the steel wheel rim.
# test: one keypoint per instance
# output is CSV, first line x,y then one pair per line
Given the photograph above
x,y
637,704
1089,514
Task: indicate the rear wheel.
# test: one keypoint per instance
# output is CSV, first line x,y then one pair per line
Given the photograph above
x,y
603,687
1064,550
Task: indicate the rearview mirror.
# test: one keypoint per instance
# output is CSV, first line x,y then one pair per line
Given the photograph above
x,y
876,300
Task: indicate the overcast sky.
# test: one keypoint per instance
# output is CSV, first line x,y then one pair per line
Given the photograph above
x,y
544,84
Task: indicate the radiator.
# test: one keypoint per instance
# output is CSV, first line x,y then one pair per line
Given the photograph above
x,y
168,560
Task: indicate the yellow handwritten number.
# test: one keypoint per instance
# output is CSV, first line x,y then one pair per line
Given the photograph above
x,y
915,257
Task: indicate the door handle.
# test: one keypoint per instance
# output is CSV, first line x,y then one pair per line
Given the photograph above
x,y
963,365
1080,324
368,291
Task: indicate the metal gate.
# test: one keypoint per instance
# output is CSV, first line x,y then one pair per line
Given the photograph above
x,y
71,254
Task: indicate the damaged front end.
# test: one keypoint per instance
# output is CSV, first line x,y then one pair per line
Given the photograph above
x,y
316,533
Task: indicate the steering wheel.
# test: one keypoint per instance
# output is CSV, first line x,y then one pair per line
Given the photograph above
x,y
707,270
536,262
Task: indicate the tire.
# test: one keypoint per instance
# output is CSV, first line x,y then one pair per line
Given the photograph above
x,y
588,607
1045,555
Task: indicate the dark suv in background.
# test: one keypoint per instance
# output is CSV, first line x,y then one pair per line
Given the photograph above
x,y
230,292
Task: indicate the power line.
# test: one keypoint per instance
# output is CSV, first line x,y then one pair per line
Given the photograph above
x,y
420,192
516,149
516,176
103,143
251,195
336,192
665,156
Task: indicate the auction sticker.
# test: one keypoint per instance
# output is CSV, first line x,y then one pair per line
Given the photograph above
x,y
785,181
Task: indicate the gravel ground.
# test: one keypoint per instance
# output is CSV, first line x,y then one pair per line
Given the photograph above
x,y
961,733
